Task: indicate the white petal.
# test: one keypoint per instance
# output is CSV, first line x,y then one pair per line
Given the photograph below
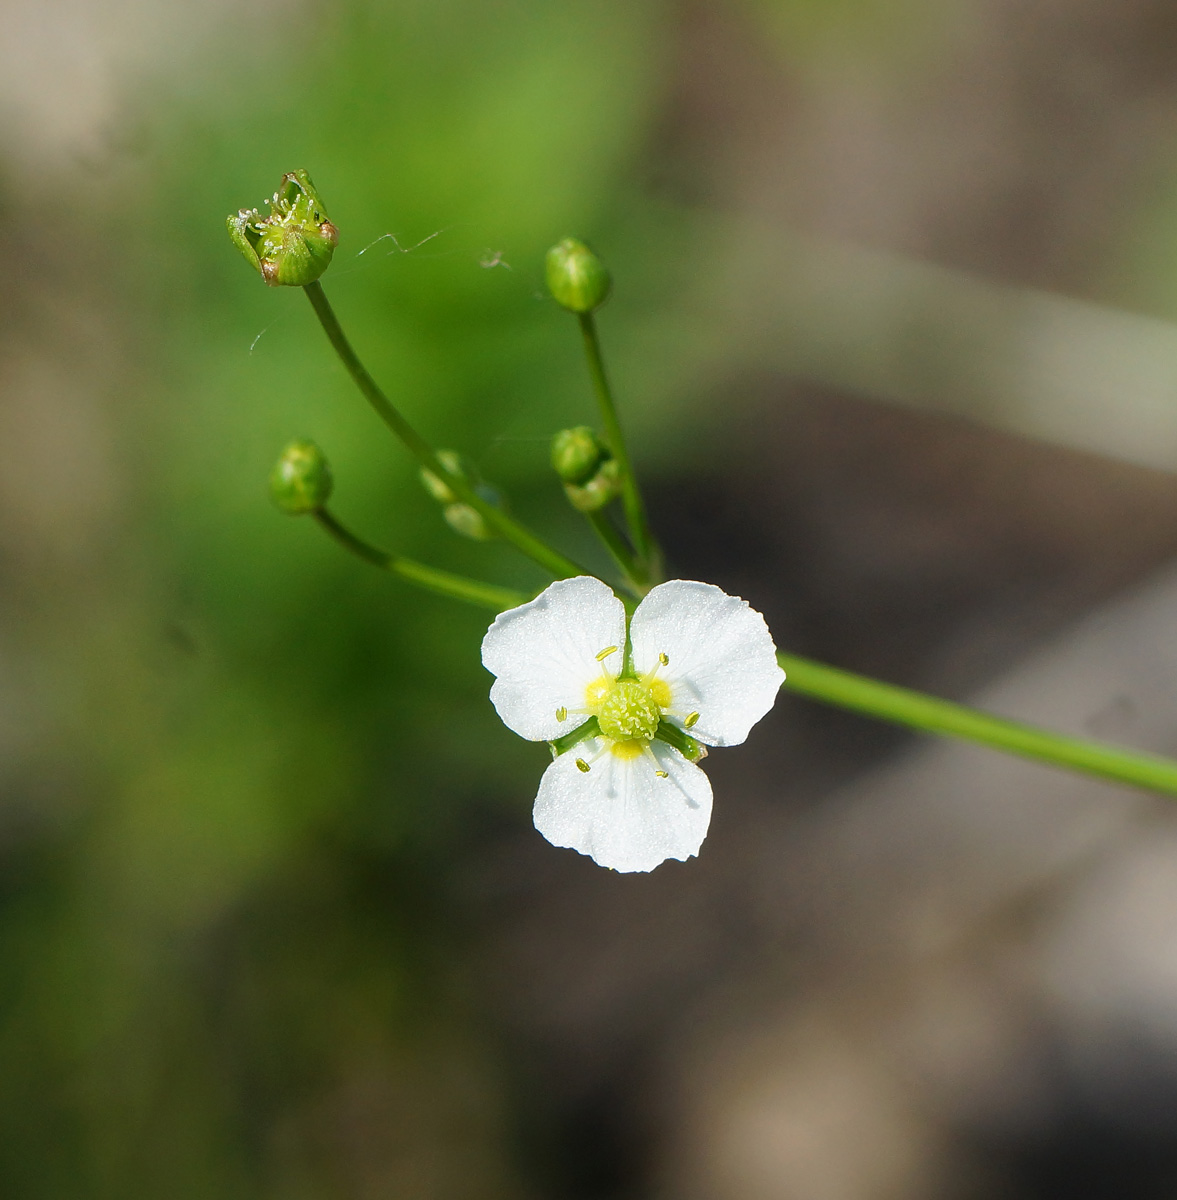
x,y
544,654
722,658
619,812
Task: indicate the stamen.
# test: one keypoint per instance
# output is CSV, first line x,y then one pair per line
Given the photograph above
x,y
664,659
650,755
561,713
691,721
604,654
582,766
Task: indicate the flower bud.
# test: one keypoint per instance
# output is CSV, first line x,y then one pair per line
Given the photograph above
x,y
576,453
301,479
435,485
576,276
467,521
460,517
294,244
598,491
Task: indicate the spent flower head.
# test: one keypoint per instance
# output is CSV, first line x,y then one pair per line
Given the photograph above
x,y
293,245
629,708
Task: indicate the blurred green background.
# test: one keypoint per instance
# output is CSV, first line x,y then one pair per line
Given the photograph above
x,y
227,934
249,785
251,763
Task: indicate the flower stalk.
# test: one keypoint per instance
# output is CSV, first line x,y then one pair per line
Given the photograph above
x,y
442,583
929,714
614,541
510,530
631,497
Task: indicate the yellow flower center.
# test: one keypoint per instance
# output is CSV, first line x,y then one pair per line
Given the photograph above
x,y
628,710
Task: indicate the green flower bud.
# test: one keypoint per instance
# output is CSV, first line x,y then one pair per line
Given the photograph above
x,y
294,244
576,454
435,485
301,479
576,276
467,521
597,491
460,517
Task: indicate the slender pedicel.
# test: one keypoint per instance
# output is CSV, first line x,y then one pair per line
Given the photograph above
x,y
580,282
444,583
509,529
631,496
612,539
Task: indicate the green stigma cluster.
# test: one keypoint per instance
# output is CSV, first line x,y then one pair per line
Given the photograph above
x,y
628,711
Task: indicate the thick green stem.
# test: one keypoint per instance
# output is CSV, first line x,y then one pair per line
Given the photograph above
x,y
631,496
510,530
931,715
457,587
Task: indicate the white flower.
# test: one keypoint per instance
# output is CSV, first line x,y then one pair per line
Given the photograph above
x,y
626,794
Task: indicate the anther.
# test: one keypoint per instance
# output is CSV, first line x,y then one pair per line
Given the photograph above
x,y
606,652
691,721
582,766
664,659
662,774
561,713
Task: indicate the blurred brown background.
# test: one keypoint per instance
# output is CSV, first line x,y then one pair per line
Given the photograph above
x,y
893,333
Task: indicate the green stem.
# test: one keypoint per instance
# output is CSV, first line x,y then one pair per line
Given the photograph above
x,y
931,715
617,546
631,496
457,587
526,541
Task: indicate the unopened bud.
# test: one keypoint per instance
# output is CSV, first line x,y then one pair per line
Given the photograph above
x,y
597,491
461,517
467,521
435,485
576,277
576,454
301,479
293,245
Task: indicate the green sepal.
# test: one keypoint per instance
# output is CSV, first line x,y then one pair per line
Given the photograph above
x,y
293,245
241,230
690,748
589,729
